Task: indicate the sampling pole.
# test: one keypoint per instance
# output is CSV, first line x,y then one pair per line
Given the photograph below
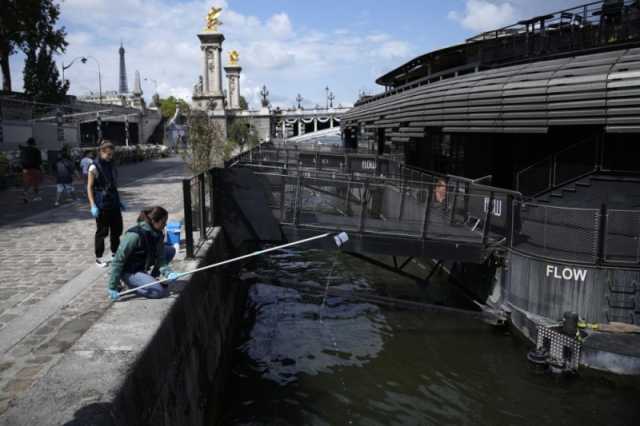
x,y
339,239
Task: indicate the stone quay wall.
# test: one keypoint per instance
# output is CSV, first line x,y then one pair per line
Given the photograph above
x,y
180,377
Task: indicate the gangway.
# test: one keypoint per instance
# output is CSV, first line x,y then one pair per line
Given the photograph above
x,y
387,208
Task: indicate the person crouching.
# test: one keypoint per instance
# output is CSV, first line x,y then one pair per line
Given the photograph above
x,y
142,256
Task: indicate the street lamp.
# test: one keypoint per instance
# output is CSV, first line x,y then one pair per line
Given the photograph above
x,y
155,85
326,89
64,67
84,61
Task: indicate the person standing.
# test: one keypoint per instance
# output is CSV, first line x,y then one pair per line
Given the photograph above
x,y
64,176
85,163
104,201
31,170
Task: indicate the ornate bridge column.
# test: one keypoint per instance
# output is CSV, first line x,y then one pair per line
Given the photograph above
x,y
208,95
233,80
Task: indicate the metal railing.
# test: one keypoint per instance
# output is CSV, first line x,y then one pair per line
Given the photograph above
x,y
418,209
588,27
419,204
199,213
560,233
568,165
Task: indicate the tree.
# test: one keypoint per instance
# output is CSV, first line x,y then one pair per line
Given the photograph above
x,y
168,106
41,78
205,143
243,103
239,133
24,24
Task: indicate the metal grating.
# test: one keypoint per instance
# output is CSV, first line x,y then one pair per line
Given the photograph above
x,y
562,349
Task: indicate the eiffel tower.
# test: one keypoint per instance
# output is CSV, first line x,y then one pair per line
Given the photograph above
x,y
123,88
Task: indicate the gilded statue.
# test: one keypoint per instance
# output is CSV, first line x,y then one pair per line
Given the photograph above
x,y
213,20
234,57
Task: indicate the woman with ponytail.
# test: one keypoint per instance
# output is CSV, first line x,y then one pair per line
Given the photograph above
x,y
142,256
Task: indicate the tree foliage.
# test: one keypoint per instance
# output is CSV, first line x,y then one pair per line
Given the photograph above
x,y
244,105
205,143
25,24
41,79
239,133
168,106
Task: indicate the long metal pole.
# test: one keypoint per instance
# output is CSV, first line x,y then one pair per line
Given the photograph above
x,y
225,262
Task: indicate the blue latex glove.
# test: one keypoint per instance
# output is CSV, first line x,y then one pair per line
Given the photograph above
x,y
113,294
94,211
173,276
123,206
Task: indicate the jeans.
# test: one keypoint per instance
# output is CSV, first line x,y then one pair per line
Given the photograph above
x,y
156,291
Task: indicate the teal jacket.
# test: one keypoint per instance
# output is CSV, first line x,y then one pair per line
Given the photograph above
x,y
129,242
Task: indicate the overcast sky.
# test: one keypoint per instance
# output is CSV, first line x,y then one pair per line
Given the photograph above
x,y
291,46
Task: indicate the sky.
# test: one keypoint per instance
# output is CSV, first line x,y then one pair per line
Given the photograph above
x,y
291,46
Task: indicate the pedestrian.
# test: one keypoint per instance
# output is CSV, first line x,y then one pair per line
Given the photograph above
x,y
85,163
142,257
31,160
104,200
64,176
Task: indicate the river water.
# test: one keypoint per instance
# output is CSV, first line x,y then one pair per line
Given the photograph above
x,y
305,359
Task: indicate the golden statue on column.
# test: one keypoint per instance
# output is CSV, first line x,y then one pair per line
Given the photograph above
x,y
234,57
213,20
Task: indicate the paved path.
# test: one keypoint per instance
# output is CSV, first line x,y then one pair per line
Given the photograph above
x,y
51,292
14,209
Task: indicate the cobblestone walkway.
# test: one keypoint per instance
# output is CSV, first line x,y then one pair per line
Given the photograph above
x,y
40,257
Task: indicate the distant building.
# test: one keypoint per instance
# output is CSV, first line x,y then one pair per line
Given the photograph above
x,y
121,97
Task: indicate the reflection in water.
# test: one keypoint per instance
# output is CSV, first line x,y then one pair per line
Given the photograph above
x,y
349,362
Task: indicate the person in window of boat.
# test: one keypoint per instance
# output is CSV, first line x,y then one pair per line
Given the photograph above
x,y
142,257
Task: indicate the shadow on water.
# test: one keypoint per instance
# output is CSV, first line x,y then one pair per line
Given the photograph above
x,y
358,363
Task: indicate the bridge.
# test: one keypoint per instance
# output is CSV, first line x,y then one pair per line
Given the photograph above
x,y
299,122
313,136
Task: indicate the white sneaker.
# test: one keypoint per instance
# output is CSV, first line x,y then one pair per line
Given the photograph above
x,y
56,204
101,263
37,198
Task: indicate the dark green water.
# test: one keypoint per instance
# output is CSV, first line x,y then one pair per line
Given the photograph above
x,y
344,362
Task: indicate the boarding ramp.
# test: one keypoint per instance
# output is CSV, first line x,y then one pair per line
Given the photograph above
x,y
387,207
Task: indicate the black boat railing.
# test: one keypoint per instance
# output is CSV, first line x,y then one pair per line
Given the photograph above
x,y
590,27
560,233
569,164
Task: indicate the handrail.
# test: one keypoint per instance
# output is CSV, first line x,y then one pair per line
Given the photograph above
x,y
552,161
586,19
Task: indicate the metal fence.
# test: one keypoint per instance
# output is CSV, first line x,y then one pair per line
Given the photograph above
x,y
562,233
199,214
419,204
440,209
622,237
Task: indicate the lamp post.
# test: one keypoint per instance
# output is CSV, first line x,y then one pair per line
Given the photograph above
x,y
155,88
84,61
326,90
64,67
155,83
